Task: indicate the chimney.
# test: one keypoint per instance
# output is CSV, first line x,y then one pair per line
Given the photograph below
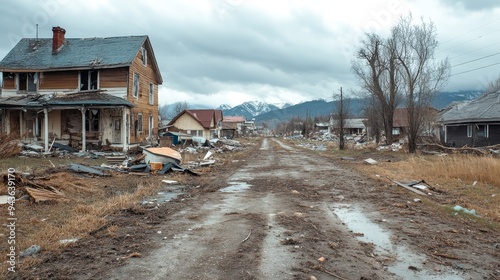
x,y
57,39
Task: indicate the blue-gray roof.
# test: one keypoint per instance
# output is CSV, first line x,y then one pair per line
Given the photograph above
x,y
483,109
36,54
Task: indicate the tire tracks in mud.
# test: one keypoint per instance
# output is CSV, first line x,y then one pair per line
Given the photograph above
x,y
279,224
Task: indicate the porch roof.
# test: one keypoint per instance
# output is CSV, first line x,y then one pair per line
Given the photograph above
x,y
70,100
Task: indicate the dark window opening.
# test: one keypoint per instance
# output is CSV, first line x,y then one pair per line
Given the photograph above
x,y
28,81
92,120
88,80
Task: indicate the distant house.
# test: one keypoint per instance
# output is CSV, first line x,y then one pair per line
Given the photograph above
x,y
232,126
351,126
198,122
81,90
401,125
473,123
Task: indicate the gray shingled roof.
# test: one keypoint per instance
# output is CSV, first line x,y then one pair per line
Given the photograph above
x,y
483,109
86,99
36,54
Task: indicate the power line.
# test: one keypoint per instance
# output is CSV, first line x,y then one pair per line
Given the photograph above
x,y
470,31
476,50
475,59
486,66
481,36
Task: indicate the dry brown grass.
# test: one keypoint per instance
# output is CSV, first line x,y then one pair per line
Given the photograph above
x,y
469,181
92,200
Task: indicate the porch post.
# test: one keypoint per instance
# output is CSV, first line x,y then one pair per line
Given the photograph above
x,y
46,128
83,130
21,124
445,134
124,129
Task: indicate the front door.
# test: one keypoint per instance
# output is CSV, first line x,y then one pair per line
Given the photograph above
x,y
117,131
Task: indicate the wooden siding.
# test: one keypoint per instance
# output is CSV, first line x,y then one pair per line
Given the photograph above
x,y
8,83
65,80
142,106
113,78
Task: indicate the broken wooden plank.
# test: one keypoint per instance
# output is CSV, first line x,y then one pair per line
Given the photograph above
x,y
45,194
408,187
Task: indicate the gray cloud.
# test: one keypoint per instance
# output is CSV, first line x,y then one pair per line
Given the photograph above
x,y
282,49
473,5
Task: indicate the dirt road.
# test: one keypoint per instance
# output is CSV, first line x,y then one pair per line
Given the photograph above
x,y
286,213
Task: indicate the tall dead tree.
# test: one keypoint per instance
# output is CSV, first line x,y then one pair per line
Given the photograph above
x,y
402,67
422,76
376,67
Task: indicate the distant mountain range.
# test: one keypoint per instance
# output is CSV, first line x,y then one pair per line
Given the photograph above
x,y
265,112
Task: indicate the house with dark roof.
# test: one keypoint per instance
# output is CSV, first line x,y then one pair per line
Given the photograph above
x,y
198,122
81,90
474,123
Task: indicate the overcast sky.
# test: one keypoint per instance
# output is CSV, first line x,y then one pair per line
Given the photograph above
x,y
232,51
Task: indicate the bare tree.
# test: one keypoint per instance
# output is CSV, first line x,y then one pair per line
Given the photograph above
x,y
374,122
376,67
494,85
421,74
340,115
402,67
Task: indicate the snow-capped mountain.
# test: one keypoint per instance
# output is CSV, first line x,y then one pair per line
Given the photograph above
x,y
250,109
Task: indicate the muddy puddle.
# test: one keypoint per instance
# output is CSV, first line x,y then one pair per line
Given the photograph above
x,y
407,264
165,194
236,187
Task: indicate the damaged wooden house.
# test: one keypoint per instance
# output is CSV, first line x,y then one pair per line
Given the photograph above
x,y
81,91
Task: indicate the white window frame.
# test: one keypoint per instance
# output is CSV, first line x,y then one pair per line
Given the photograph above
x,y
469,131
136,84
151,94
144,53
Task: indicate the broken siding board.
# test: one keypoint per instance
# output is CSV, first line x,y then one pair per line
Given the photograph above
x,y
113,78
59,80
8,83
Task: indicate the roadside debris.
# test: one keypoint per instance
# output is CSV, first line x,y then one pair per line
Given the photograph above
x,y
34,249
370,161
409,186
459,208
163,155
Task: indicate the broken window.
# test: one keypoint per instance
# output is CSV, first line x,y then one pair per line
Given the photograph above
x,y
139,122
151,94
144,56
136,85
88,80
482,130
27,81
92,120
